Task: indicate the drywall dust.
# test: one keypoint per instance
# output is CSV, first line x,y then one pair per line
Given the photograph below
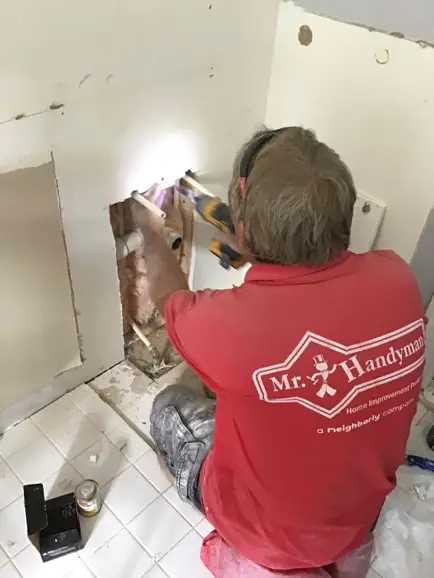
x,y
113,394
305,35
139,385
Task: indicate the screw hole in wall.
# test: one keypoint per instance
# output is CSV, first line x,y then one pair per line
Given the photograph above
x,y
366,208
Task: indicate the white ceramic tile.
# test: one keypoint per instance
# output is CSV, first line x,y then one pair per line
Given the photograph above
x,y
189,512
10,486
121,557
13,528
30,565
62,482
77,437
98,530
81,571
129,494
159,527
130,391
53,414
36,461
3,557
182,373
109,462
152,467
102,415
73,433
204,528
137,409
156,572
119,377
131,445
18,437
9,571
184,555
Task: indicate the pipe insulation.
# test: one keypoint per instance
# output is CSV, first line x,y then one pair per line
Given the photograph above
x,y
134,240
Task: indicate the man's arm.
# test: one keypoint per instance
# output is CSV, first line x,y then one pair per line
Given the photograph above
x,y
164,273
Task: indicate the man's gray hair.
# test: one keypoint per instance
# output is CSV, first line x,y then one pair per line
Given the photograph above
x,y
299,200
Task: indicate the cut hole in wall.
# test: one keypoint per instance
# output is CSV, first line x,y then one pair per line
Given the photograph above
x,y
146,343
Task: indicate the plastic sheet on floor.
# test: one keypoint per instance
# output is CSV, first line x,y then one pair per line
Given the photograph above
x,y
404,536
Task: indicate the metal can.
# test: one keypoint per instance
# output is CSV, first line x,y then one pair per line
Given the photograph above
x,y
88,497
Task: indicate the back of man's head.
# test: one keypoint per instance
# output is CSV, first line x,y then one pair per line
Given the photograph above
x,y
298,201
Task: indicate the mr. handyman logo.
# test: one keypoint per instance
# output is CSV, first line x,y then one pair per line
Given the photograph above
x,y
325,376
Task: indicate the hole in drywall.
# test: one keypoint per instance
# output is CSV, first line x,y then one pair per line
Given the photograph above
x,y
210,7
305,35
157,356
20,116
366,208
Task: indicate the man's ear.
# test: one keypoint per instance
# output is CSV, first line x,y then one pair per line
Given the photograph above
x,y
240,233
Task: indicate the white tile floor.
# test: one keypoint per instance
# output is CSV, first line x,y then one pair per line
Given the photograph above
x,y
143,530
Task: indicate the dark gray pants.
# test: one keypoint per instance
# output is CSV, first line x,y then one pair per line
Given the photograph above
x,y
182,425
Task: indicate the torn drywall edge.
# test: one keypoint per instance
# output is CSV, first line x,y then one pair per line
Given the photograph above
x,y
385,18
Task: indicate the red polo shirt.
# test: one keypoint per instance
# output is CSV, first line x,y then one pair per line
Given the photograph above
x,y
317,371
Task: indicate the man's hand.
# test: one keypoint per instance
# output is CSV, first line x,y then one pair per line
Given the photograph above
x,y
234,244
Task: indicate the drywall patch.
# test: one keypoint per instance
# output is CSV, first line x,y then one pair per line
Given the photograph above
x,y
305,35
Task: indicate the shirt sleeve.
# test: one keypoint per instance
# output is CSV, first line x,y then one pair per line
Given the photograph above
x,y
188,316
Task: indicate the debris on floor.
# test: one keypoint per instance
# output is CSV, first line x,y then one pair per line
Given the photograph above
x,y
144,359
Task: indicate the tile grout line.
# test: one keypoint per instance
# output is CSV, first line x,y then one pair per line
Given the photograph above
x,y
173,506
194,531
123,416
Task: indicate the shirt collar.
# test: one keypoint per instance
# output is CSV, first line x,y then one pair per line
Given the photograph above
x,y
269,273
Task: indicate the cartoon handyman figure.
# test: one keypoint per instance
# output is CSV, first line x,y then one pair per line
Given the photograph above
x,y
323,374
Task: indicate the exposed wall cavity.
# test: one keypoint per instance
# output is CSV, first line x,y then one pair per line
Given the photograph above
x,y
136,303
146,343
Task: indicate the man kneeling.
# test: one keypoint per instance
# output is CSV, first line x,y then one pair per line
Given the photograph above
x,y
316,362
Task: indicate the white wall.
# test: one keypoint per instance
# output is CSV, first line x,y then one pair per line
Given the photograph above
x,y
149,88
378,117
